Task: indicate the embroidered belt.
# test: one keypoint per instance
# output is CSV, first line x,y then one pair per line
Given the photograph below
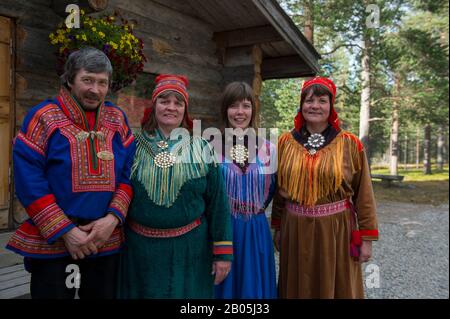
x,y
319,210
163,233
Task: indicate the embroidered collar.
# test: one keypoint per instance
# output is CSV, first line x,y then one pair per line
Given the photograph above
x,y
75,112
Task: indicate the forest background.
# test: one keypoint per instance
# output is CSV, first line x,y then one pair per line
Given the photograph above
x,y
389,60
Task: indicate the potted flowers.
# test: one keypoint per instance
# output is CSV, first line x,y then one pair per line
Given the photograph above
x,y
106,33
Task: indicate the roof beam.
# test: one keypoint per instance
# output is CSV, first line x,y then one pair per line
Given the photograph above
x,y
247,37
284,67
289,31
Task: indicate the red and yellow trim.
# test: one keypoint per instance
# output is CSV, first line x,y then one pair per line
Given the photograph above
x,y
49,218
223,248
369,234
27,241
121,201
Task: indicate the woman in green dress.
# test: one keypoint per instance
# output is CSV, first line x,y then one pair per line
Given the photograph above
x,y
178,231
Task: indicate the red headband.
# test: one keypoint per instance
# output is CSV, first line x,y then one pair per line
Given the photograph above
x,y
331,87
165,83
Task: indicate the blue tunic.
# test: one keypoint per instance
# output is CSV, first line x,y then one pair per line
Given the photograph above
x,y
65,171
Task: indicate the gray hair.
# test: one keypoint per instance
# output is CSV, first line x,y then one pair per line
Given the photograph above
x,y
88,58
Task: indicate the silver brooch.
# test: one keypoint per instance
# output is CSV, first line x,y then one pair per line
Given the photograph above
x,y
315,141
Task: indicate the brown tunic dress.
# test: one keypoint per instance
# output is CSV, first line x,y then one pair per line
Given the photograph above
x,y
315,260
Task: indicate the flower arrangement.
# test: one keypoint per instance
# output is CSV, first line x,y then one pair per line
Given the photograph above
x,y
105,33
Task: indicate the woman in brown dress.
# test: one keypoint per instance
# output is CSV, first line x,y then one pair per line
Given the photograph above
x,y
324,213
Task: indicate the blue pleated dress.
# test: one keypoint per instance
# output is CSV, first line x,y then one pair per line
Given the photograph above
x,y
253,274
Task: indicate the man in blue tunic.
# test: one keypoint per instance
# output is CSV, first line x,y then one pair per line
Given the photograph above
x,y
72,161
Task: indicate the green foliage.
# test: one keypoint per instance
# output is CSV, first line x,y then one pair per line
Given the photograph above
x,y
115,39
283,98
411,44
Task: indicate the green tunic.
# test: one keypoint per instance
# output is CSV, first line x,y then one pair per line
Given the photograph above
x,y
176,267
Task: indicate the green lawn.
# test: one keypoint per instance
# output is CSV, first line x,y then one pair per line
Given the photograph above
x,y
416,187
416,175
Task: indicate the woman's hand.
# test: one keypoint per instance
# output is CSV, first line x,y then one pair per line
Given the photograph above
x,y
366,251
221,270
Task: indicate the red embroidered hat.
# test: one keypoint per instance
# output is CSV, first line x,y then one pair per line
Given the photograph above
x,y
165,83
331,87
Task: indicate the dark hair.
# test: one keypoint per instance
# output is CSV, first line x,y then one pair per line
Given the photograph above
x,y
237,91
152,124
88,58
317,90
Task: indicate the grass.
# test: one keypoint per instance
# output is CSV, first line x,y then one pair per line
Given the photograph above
x,y
416,188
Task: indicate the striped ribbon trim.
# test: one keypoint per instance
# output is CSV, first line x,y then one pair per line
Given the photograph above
x,y
319,210
163,233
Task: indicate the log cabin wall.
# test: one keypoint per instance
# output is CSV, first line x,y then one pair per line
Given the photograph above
x,y
34,79
175,42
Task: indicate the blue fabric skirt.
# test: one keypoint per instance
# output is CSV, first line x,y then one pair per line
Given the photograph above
x,y
252,275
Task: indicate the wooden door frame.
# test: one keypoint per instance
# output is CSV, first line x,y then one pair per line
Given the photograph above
x,y
12,117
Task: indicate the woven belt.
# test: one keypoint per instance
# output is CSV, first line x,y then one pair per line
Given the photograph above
x,y
319,210
163,233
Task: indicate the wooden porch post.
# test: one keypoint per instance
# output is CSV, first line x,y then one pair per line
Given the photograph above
x,y
257,80
6,119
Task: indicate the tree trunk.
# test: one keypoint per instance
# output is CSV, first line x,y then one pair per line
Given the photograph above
x,y
257,81
308,31
417,148
426,150
446,148
440,149
394,140
406,152
364,113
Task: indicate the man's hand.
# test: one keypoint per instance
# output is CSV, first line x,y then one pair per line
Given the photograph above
x,y
101,229
77,243
221,270
366,251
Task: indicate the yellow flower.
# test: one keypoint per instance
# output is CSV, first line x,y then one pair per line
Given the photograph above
x,y
94,29
101,34
84,37
82,11
113,44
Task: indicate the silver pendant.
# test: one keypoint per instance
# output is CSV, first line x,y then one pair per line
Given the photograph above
x,y
165,160
239,153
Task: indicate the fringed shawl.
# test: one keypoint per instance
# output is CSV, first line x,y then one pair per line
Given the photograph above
x,y
307,178
163,185
248,192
